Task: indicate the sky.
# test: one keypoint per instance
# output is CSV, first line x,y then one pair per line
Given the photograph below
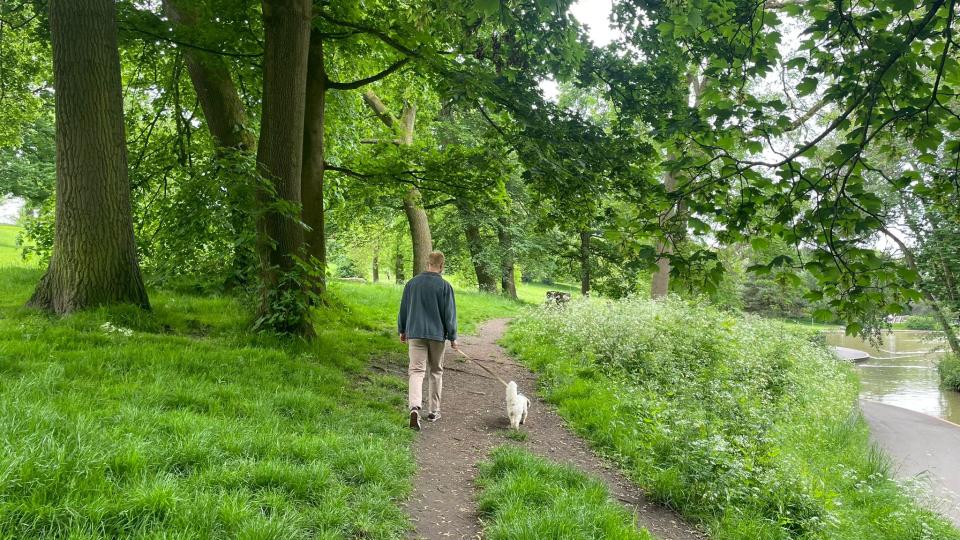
x,y
596,15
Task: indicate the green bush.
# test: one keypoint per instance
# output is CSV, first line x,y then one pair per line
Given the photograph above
x,y
527,497
920,322
738,422
949,368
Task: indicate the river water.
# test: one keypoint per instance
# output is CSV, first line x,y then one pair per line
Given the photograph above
x,y
903,372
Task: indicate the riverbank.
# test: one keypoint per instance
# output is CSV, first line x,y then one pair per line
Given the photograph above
x,y
744,427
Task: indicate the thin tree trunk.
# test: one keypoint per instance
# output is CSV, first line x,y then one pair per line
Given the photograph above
x,y
94,259
486,279
226,119
412,200
508,284
398,266
313,155
376,265
280,155
585,262
660,282
938,313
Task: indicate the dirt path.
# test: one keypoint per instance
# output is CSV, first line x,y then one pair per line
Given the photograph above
x,y
443,502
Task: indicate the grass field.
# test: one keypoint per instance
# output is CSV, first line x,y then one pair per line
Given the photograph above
x,y
179,423
524,497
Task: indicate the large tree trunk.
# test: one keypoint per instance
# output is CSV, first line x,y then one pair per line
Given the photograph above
x,y
508,284
419,229
94,258
585,262
313,155
280,155
226,119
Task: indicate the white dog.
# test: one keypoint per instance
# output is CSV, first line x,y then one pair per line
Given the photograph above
x,y
517,405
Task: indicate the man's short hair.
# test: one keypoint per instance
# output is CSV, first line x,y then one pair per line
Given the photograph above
x,y
436,259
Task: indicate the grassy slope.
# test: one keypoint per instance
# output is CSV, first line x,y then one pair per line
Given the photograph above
x,y
525,497
813,474
192,427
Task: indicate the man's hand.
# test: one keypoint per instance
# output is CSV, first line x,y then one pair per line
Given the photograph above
x,y
455,345
403,338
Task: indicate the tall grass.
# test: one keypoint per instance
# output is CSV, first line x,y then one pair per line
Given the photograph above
x,y
524,497
180,423
741,424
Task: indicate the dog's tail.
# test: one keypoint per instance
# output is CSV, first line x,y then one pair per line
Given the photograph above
x,y
511,390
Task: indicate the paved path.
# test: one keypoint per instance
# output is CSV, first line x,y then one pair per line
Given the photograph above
x,y
921,446
854,355
443,503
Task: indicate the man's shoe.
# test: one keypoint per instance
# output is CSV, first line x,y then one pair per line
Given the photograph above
x,y
434,416
415,419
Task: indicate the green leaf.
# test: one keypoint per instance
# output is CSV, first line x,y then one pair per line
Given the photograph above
x,y
806,86
823,315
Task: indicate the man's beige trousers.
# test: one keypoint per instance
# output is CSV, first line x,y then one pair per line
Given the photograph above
x,y
425,354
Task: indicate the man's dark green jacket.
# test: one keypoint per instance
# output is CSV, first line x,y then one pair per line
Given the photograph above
x,y
428,309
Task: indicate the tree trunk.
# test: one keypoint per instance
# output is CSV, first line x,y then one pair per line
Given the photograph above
x,y
508,284
585,263
398,266
412,200
94,259
226,119
938,313
660,282
419,229
376,266
313,155
279,158
486,279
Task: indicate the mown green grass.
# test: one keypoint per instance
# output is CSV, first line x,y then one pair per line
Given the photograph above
x,y
193,427
524,497
743,426
377,303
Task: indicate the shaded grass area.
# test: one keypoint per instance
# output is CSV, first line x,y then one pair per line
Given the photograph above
x,y
180,423
524,497
742,426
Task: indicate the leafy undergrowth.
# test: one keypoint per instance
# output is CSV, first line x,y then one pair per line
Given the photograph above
x,y
180,423
525,497
739,423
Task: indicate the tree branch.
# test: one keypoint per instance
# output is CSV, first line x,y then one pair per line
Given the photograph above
x,y
352,85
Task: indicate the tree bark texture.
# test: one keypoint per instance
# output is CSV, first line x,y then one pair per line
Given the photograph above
x,y
508,284
585,263
280,152
486,279
313,155
94,259
219,99
419,229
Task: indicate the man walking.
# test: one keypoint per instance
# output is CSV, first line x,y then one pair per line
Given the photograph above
x,y
428,317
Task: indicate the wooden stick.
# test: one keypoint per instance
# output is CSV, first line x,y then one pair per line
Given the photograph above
x,y
483,367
